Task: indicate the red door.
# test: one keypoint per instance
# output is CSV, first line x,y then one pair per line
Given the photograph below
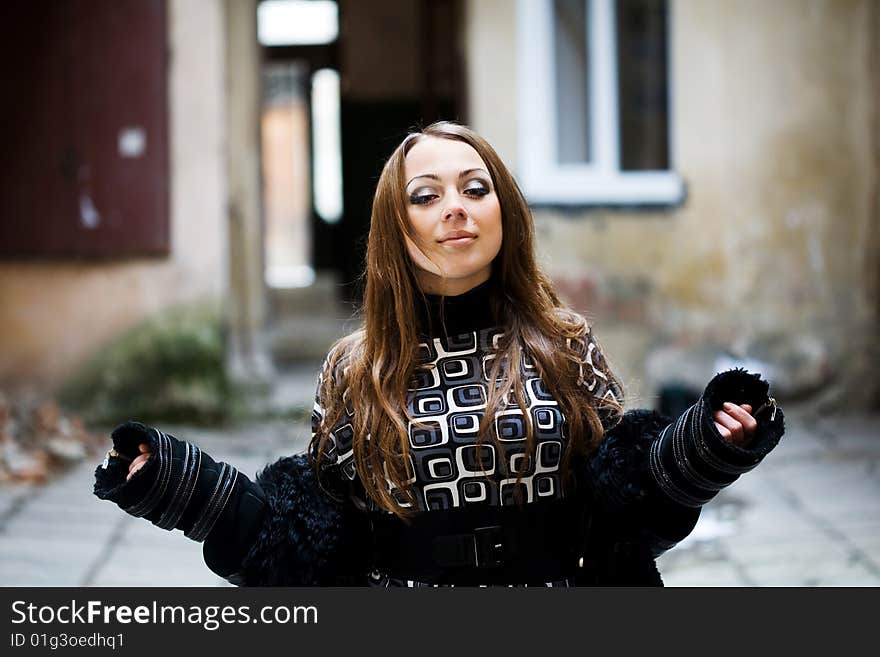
x,y
84,158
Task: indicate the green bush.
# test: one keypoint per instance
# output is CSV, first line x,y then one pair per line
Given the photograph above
x,y
168,369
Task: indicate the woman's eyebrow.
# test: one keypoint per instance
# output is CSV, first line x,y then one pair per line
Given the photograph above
x,y
468,172
434,176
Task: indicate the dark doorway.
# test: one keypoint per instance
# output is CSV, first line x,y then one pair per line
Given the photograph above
x,y
399,65
402,68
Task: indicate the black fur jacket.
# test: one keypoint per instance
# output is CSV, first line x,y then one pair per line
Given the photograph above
x,y
638,495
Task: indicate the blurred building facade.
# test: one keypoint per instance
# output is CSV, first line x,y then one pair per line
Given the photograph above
x,y
63,302
735,220
773,251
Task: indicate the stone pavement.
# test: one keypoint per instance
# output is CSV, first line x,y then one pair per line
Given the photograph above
x,y
808,516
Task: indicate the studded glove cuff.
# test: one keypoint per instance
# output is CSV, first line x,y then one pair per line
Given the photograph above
x,y
179,487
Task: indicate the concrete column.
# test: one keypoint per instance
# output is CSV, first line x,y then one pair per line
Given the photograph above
x,y
247,357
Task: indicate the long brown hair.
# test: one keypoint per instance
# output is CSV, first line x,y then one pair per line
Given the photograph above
x,y
370,370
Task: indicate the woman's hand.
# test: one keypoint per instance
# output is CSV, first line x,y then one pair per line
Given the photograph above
x,y
139,461
734,423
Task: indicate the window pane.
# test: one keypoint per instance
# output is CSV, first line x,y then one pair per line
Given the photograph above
x,y
572,81
642,84
327,145
297,22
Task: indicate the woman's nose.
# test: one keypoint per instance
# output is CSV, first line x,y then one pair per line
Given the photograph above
x,y
455,210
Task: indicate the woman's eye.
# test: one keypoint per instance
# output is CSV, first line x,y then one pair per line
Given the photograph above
x,y
422,198
477,191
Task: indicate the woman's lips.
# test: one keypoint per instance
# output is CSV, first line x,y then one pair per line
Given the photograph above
x,y
459,241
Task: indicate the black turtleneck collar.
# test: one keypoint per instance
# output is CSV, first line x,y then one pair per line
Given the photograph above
x,y
450,316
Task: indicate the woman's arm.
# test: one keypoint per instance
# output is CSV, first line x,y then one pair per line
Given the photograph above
x,y
176,485
280,529
654,475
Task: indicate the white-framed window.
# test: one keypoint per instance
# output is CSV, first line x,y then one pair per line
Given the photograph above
x,y
594,101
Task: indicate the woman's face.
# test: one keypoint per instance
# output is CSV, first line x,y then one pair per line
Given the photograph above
x,y
455,214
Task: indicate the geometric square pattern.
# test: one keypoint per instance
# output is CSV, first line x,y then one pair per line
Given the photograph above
x,y
447,400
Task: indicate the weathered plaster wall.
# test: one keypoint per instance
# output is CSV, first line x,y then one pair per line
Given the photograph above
x,y
490,59
53,315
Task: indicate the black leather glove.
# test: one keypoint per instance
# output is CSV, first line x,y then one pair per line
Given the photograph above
x,y
691,461
180,486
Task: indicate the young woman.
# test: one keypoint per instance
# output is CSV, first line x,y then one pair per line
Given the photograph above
x,y
470,433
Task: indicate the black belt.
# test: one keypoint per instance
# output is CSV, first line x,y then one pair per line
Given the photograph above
x,y
534,543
